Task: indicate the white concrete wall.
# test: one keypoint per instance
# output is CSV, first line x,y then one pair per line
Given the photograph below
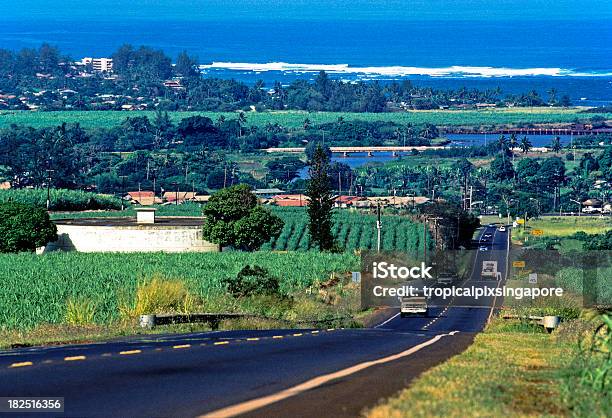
x,y
141,238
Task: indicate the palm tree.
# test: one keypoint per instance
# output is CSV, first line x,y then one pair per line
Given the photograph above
x,y
526,145
241,122
220,120
513,144
556,144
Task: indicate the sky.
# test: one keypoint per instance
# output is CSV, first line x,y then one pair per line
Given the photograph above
x,y
223,10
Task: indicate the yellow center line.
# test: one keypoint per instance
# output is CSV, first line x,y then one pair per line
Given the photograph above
x,y
221,342
74,358
277,336
22,364
314,332
128,352
182,346
297,334
252,339
331,329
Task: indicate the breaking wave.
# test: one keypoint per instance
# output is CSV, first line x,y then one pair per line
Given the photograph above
x,y
402,71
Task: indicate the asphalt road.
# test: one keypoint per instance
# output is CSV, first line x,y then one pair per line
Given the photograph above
x,y
327,372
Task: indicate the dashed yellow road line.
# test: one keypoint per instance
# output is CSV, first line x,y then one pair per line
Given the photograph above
x,y
252,339
130,352
277,336
221,342
331,329
21,364
181,346
74,358
297,334
314,332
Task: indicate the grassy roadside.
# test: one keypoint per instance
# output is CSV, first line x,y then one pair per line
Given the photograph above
x,y
510,370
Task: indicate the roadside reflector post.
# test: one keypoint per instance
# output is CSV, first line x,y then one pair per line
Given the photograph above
x,y
550,322
147,321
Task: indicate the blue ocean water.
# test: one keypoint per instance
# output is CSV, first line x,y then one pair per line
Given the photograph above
x,y
575,57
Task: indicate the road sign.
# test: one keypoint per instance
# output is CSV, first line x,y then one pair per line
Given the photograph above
x,y
533,278
537,232
518,264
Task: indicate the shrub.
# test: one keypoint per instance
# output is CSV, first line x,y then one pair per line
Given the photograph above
x,y
24,228
158,295
80,311
252,281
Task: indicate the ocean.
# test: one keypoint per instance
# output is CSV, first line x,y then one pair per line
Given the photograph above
x,y
575,57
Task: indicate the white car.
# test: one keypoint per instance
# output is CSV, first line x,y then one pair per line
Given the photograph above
x,y
502,229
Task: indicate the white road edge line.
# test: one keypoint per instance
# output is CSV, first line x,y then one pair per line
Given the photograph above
x,y
253,404
387,321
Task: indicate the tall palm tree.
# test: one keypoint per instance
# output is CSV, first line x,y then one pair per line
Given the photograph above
x,y
555,145
241,122
513,143
526,145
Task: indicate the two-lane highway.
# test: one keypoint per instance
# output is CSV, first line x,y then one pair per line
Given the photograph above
x,y
327,372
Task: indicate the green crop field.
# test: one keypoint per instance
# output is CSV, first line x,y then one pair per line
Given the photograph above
x,y
35,288
295,119
353,230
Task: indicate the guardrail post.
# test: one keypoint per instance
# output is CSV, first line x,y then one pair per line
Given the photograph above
x,y
147,321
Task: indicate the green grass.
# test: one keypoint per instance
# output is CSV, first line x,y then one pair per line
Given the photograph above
x,y
564,226
295,119
503,373
36,289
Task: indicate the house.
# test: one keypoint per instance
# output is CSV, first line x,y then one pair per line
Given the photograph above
x,y
290,200
347,201
5,185
171,197
592,206
144,198
393,201
173,84
201,198
267,193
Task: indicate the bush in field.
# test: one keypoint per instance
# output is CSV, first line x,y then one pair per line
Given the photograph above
x,y
158,295
252,281
61,199
24,228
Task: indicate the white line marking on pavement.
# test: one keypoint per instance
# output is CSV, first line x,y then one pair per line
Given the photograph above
x,y
387,321
257,403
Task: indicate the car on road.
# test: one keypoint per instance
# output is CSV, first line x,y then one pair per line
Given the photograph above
x,y
492,225
502,229
483,248
413,305
445,278
489,269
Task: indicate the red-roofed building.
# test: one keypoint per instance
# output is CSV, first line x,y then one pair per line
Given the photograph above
x,y
347,201
290,200
144,198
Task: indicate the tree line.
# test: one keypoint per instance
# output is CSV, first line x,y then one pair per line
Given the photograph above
x,y
51,80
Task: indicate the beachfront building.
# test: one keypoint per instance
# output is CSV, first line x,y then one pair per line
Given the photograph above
x,y
98,64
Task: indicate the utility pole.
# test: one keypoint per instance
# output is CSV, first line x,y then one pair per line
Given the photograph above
x,y
378,227
425,240
49,171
